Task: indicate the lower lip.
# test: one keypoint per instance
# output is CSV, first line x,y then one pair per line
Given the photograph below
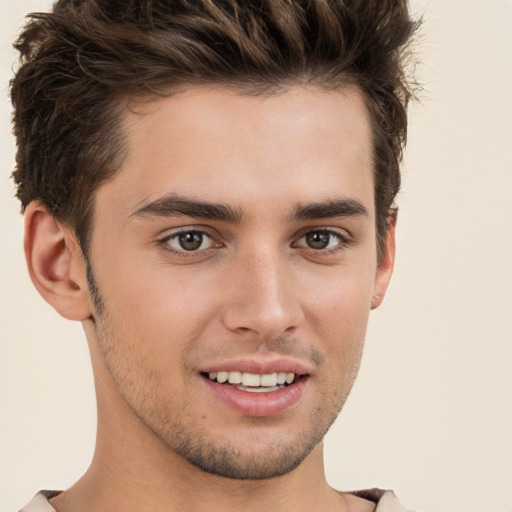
x,y
258,404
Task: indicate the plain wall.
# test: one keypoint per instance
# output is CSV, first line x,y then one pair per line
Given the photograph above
x,y
431,412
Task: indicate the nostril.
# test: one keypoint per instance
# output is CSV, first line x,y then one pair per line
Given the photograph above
x,y
265,311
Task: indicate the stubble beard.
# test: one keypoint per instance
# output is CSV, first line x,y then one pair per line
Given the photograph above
x,y
184,436
259,461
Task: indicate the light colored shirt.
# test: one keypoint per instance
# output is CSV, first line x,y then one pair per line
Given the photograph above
x,y
386,501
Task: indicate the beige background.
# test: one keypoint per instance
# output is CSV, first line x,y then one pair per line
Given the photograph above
x,y
431,412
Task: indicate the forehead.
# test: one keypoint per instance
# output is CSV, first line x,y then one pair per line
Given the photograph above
x,y
303,144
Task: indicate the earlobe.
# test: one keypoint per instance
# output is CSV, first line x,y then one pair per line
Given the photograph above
x,y
386,262
55,263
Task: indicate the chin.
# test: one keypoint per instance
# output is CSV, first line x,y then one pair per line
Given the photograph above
x,y
260,456
230,462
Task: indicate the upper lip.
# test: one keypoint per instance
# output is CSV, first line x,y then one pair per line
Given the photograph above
x,y
259,366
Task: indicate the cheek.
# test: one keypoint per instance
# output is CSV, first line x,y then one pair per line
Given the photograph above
x,y
154,292
342,303
339,317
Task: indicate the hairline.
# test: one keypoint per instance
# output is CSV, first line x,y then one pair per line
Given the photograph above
x,y
126,104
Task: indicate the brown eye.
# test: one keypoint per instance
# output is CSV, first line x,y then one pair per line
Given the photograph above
x,y
318,239
322,239
190,241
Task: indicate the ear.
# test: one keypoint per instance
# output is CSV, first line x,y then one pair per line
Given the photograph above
x,y
386,262
56,264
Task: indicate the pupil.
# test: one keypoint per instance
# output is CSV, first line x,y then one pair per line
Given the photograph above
x,y
318,239
191,241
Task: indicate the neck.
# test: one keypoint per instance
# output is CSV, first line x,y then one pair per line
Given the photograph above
x,y
133,470
138,473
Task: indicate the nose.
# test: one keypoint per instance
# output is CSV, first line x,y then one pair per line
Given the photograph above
x,y
264,298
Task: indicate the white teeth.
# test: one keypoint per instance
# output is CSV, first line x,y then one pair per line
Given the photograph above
x,y
253,380
269,379
258,390
235,378
222,377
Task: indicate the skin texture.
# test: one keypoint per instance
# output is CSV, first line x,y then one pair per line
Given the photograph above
x,y
255,290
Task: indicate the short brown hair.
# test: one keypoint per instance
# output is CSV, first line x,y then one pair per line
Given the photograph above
x,y
80,61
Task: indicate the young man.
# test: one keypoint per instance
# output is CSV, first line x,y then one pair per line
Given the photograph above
x,y
208,187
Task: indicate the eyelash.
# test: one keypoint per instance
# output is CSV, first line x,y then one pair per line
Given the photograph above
x,y
164,243
343,242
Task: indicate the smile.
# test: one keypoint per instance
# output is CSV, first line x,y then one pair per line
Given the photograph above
x,y
257,386
253,382
254,394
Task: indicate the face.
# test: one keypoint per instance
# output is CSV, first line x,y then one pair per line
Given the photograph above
x,y
234,255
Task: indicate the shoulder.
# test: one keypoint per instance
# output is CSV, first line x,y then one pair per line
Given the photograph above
x,y
386,501
40,502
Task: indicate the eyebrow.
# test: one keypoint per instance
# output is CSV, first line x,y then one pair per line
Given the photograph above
x,y
330,209
173,205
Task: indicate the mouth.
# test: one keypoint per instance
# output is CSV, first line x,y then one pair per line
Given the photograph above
x,y
257,387
253,382
256,394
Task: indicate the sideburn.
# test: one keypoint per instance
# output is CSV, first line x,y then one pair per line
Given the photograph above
x,y
97,300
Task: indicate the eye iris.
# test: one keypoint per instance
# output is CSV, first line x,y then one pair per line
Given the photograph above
x,y
191,240
318,239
